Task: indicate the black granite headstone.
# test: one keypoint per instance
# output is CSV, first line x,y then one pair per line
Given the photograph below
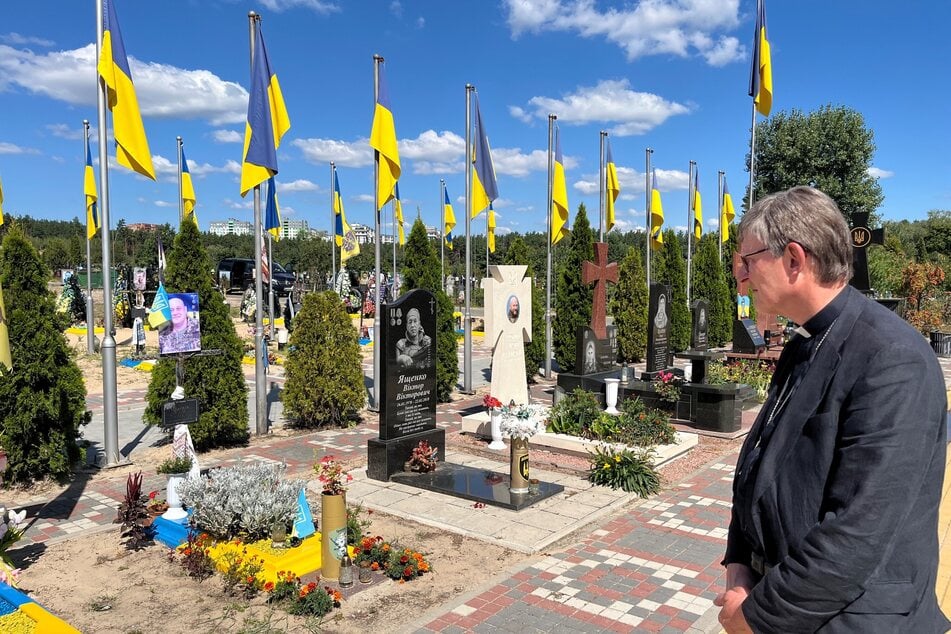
x,y
408,384
700,323
658,328
747,337
862,237
593,355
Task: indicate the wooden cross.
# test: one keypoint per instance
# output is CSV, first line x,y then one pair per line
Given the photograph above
x,y
599,273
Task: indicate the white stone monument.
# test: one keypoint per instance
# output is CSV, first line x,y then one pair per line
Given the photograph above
x,y
508,325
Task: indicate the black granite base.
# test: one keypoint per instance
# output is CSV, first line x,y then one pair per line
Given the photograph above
x,y
386,457
478,485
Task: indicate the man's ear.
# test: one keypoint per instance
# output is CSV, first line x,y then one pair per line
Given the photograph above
x,y
795,257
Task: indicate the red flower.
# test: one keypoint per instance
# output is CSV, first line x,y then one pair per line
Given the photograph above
x,y
269,586
152,495
407,571
490,402
404,559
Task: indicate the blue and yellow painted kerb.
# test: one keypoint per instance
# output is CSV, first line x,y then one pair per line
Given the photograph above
x,y
21,615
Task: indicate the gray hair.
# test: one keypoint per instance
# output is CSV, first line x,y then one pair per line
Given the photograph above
x,y
808,217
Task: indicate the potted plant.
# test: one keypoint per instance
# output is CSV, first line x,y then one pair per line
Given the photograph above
x,y
156,505
333,514
176,468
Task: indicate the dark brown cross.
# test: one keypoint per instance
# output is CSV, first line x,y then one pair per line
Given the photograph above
x,y
599,273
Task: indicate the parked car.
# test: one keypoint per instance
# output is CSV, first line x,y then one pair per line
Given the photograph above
x,y
237,274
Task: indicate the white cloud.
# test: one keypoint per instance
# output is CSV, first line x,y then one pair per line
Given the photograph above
x,y
877,172
343,153
163,91
632,182
10,148
520,114
420,22
396,8
649,27
227,136
25,40
300,185
610,101
317,6
72,132
165,203
239,204
365,198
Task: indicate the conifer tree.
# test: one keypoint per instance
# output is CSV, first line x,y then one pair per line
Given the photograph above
x,y
218,380
421,270
709,283
676,272
517,253
43,398
324,370
572,296
629,307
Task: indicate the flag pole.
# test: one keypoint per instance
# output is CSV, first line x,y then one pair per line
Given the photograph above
x,y
377,60
601,214
467,317
333,227
260,394
270,283
752,151
181,201
691,199
110,411
393,275
442,234
90,311
650,220
548,313
720,211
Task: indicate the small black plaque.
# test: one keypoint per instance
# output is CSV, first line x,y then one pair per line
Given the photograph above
x,y
180,412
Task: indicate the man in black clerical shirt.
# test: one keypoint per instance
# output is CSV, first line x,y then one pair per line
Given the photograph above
x,y
837,487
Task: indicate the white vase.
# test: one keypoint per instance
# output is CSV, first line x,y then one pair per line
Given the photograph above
x,y
175,511
610,395
495,418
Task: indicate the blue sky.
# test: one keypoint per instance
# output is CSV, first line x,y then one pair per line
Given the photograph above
x,y
669,74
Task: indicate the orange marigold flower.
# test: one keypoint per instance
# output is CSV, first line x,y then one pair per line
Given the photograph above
x,y
303,592
423,566
269,586
250,579
418,556
374,566
386,548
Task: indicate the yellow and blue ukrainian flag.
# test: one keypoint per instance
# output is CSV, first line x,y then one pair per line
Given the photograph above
x,y
272,212
727,214
657,214
559,195
188,193
92,199
383,140
612,185
449,221
761,71
485,188
697,207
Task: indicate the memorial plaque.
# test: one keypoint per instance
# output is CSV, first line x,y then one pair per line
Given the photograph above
x,y
746,337
408,385
594,354
658,328
700,321
180,412
862,237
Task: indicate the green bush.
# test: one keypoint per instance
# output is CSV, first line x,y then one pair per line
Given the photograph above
x,y
324,370
217,381
575,413
43,398
573,297
676,277
644,426
757,374
709,282
632,471
629,307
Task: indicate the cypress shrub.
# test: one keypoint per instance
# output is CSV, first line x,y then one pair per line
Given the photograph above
x,y
629,308
709,283
572,296
324,383
676,270
421,270
217,381
517,253
43,398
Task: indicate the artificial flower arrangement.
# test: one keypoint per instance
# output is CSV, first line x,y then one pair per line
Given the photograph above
x,y
156,504
423,458
523,421
490,402
667,385
400,564
332,476
11,530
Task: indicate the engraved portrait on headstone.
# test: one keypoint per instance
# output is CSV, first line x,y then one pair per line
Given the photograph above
x,y
508,325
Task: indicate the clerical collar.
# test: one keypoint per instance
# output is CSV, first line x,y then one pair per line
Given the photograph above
x,y
824,318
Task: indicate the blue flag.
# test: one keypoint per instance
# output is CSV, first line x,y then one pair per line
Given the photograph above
x,y
304,521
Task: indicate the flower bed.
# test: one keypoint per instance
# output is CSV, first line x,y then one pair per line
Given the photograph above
x,y
21,615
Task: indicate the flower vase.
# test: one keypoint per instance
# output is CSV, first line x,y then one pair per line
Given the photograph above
x,y
610,395
333,534
495,418
518,469
175,512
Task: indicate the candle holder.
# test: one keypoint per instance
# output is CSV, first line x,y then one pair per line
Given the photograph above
x,y
366,573
278,535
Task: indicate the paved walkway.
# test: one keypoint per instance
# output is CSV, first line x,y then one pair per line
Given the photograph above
x,y
650,566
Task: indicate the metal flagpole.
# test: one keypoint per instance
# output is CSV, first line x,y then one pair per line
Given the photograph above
x,y
601,215
548,313
720,211
442,234
486,246
110,412
648,196
691,196
90,311
333,227
260,395
467,317
393,275
752,152
377,374
181,201
270,284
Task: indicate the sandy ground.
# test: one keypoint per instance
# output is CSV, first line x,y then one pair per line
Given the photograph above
x,y
97,585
